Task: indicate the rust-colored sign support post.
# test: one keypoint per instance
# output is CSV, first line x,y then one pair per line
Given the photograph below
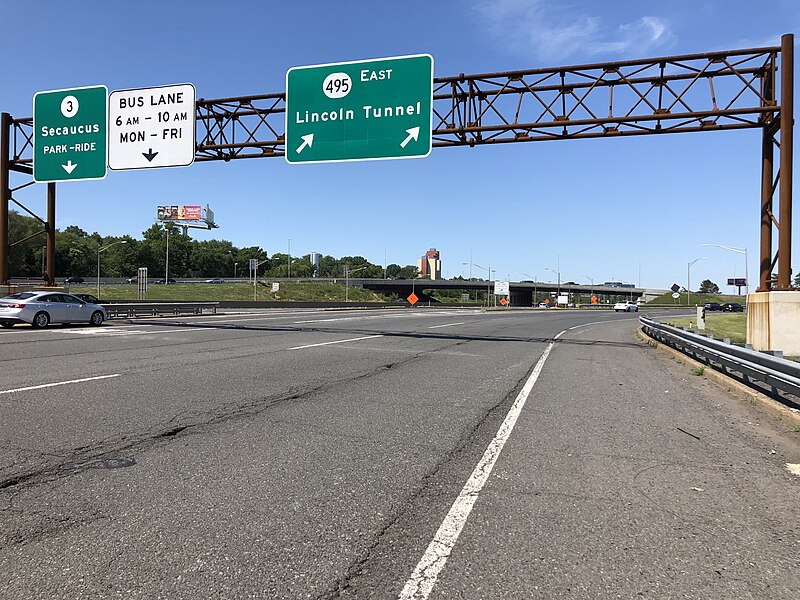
x,y
777,133
5,193
787,124
767,192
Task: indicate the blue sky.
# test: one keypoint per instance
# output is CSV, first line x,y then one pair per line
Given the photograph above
x,y
602,209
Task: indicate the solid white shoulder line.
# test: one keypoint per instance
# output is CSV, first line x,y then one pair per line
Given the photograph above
x,y
424,577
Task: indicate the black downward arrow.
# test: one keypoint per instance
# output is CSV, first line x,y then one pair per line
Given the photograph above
x,y
150,155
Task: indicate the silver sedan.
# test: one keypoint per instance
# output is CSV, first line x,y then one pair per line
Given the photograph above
x,y
42,308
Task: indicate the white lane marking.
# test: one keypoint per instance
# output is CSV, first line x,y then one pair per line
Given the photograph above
x,y
447,325
223,319
47,385
112,332
582,325
369,337
422,580
383,316
363,317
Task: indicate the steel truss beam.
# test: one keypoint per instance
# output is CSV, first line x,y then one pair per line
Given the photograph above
x,y
714,91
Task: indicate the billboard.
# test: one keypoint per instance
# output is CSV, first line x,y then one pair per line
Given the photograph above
x,y
740,281
180,213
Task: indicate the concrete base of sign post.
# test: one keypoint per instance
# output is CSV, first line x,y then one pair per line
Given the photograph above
x,y
773,321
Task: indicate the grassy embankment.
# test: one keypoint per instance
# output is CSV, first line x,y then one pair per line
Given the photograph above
x,y
720,325
695,299
243,292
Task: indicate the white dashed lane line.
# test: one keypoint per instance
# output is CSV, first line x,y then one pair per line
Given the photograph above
x,y
369,337
47,385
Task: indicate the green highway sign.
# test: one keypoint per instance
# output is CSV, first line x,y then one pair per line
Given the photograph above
x,y
69,134
362,110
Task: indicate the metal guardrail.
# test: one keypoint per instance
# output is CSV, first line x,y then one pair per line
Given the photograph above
x,y
777,376
154,309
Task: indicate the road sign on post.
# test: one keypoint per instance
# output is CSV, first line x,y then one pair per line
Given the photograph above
x,y
69,134
362,110
151,127
501,288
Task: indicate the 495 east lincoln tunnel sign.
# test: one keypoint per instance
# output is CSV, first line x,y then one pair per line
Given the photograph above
x,y
362,110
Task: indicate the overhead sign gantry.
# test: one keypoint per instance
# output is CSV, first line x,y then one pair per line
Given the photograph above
x,y
714,91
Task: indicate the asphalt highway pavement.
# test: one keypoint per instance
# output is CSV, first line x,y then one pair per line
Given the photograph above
x,y
405,453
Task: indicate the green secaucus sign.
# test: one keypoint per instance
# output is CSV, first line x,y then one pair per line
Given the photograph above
x,y
362,110
69,134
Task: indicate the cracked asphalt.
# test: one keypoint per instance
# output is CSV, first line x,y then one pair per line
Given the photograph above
x,y
311,454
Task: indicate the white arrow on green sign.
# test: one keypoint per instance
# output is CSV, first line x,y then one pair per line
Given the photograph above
x,y
69,134
362,110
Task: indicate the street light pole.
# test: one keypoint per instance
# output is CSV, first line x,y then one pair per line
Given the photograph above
x,y
99,250
689,278
347,280
384,261
740,251
488,283
255,277
534,303
289,260
592,282
558,266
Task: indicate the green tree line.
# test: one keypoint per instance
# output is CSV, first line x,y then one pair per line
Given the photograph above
x,y
77,254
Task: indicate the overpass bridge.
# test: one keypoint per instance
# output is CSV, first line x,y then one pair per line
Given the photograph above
x,y
521,292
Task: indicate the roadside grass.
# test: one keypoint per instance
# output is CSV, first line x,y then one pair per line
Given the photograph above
x,y
243,292
722,325
695,299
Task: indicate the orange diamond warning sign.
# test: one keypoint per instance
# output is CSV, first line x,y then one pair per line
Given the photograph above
x,y
503,301
412,299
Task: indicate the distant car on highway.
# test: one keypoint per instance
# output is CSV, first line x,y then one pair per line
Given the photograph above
x,y
215,280
712,306
74,279
163,281
732,307
88,298
133,279
626,307
39,309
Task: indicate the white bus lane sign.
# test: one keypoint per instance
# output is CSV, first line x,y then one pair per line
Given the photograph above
x,y
151,127
69,134
361,110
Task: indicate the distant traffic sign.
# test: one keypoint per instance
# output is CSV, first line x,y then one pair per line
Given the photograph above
x,y
69,134
501,288
412,299
362,110
151,127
